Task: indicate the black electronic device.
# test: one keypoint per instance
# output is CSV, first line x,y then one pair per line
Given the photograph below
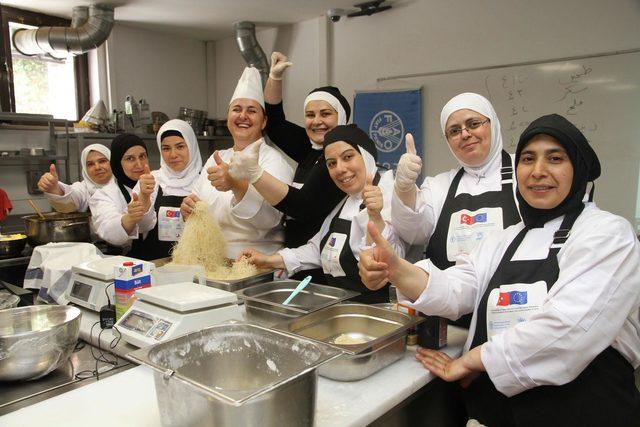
x,y
107,316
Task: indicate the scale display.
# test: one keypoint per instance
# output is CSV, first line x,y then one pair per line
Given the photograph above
x,y
144,324
80,291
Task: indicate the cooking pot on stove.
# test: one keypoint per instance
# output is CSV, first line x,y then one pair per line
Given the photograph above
x,y
12,245
57,227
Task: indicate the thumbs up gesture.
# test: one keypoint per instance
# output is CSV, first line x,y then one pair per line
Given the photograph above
x,y
147,182
135,209
279,64
372,198
219,174
244,164
377,264
48,182
409,167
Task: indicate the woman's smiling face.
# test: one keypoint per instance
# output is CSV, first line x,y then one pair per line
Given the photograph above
x,y
544,172
346,167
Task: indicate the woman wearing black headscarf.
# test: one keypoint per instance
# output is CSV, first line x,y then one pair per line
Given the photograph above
x,y
350,158
115,209
555,300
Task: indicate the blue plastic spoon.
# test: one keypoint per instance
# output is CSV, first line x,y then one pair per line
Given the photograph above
x,y
297,290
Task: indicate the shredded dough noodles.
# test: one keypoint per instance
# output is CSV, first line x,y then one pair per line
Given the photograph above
x,y
344,339
202,243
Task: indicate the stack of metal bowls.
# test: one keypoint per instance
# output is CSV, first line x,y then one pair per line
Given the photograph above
x,y
196,118
36,340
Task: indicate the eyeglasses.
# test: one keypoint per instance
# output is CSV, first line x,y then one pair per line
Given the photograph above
x,y
455,132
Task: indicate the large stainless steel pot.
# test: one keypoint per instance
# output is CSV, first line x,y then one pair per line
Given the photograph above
x,y
37,339
236,374
57,227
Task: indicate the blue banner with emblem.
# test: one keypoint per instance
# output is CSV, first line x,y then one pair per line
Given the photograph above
x,y
387,117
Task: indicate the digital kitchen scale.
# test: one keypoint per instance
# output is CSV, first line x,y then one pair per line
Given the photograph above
x,y
92,281
164,312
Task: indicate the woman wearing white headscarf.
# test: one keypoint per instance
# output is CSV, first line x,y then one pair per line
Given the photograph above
x,y
455,210
180,165
96,173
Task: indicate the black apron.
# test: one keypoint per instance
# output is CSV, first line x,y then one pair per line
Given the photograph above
x,y
152,248
603,394
351,280
436,250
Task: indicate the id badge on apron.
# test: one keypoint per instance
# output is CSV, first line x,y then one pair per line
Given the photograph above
x,y
170,224
511,304
468,228
330,254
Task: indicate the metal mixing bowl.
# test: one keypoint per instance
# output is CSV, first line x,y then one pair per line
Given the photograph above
x,y
36,340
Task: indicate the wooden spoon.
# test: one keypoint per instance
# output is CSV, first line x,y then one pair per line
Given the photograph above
x,y
37,209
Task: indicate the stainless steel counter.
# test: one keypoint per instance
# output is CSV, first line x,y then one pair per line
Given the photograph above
x,y
77,372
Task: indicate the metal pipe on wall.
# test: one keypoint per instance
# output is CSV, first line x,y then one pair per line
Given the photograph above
x,y
87,32
250,48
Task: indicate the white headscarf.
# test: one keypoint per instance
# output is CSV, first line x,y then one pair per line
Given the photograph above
x,y
249,86
92,186
479,104
320,95
179,183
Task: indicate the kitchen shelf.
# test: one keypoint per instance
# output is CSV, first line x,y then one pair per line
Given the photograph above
x,y
96,135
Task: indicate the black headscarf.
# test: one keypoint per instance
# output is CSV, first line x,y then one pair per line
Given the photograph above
x,y
586,167
352,135
119,146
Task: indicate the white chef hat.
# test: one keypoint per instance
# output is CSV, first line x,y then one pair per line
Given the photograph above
x,y
249,86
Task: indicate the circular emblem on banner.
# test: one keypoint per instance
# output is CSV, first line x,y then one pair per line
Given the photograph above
x,y
386,130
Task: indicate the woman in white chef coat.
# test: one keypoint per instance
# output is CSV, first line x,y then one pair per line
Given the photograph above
x,y
180,165
350,157
96,173
555,300
244,216
455,210
115,209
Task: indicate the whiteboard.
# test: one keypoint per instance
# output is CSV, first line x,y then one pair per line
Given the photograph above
x,y
599,94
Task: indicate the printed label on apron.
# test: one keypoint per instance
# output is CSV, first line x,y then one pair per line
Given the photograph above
x,y
170,224
468,228
331,254
511,304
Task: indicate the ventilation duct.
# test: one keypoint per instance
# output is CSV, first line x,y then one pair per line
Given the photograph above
x,y
90,27
250,48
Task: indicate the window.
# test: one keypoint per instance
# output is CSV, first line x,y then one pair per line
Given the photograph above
x,y
40,84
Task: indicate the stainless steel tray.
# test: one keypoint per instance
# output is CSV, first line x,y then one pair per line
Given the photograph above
x,y
263,302
383,330
233,285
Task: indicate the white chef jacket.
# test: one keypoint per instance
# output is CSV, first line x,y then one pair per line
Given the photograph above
x,y
107,207
415,226
594,303
75,198
250,222
307,256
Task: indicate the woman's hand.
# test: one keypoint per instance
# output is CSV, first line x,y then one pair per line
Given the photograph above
x,y
135,212
279,63
261,260
219,174
407,172
48,182
147,183
188,205
378,263
372,199
244,164
465,368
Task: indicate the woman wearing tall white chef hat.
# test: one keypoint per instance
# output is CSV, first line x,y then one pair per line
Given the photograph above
x,y
555,334
245,218
180,165
96,173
